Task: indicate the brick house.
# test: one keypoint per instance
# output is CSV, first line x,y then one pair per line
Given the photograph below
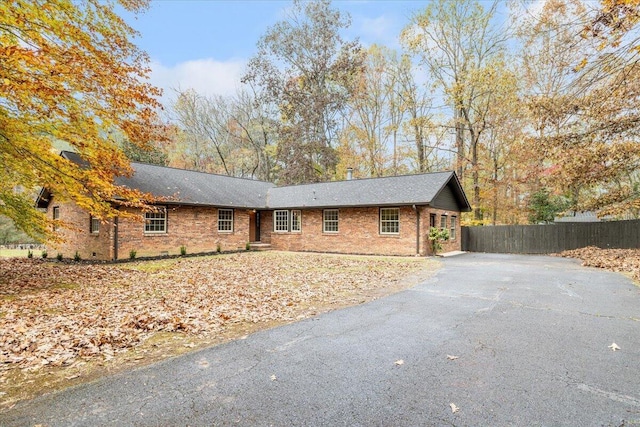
x,y
204,212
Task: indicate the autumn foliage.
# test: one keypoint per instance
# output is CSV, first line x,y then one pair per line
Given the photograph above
x,y
69,73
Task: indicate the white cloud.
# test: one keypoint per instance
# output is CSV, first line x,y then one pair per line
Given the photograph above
x,y
376,28
383,30
205,76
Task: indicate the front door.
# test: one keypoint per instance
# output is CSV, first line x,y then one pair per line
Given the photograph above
x,y
257,228
254,226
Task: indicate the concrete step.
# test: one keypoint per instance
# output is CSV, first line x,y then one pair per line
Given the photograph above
x,y
259,246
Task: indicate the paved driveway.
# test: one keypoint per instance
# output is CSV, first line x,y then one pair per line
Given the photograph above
x,y
530,333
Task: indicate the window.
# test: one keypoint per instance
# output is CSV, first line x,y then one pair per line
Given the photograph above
x,y
94,225
452,224
56,216
156,222
296,220
284,221
389,221
330,221
281,221
443,222
225,220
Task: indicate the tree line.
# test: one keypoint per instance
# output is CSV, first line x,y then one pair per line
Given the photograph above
x,y
535,109
532,104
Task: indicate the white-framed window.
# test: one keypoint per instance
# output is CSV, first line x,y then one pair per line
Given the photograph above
x,y
285,221
296,221
281,220
389,220
94,225
330,221
452,224
156,221
225,220
443,222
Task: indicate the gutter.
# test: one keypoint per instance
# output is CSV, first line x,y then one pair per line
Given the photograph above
x,y
415,208
115,238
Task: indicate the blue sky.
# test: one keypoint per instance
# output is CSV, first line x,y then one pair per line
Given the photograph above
x,y
205,44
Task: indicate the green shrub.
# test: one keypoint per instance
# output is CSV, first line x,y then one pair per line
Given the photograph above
x,y
219,248
437,236
59,256
76,256
132,254
183,250
248,246
44,254
29,254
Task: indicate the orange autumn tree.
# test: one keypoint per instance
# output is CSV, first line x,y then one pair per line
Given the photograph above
x,y
70,73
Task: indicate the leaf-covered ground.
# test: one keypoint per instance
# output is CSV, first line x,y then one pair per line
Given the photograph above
x,y
54,314
620,260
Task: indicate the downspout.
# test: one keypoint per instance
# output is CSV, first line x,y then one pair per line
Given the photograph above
x,y
415,208
115,238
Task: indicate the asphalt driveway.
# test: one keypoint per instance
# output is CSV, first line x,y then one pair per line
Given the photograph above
x,y
529,338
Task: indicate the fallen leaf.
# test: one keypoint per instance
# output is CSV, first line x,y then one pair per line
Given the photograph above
x,y
55,314
451,357
454,408
400,362
614,347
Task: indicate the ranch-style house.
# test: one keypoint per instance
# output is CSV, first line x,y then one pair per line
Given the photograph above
x,y
205,212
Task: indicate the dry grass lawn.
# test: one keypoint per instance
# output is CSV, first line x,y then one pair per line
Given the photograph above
x,y
64,323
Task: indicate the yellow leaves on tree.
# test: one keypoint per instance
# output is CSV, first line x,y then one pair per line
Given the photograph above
x,y
69,73
615,19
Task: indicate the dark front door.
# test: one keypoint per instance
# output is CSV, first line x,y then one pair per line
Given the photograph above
x,y
432,220
257,237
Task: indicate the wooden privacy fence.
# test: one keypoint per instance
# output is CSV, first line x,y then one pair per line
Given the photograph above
x,y
550,238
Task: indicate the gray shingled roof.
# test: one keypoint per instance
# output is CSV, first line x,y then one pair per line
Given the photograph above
x,y
197,188
388,191
193,188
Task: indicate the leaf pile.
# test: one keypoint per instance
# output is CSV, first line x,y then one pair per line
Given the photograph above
x,y
619,260
53,313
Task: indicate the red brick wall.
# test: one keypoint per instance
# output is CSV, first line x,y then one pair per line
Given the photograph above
x,y
359,232
77,237
196,228
452,244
